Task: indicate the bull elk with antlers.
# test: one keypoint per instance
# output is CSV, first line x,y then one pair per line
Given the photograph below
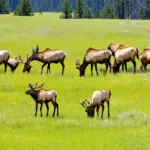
x,y
47,57
94,56
42,96
4,56
98,99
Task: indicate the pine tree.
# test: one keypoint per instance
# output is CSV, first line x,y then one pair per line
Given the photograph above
x,y
3,7
79,10
145,10
66,10
119,9
24,9
107,12
87,12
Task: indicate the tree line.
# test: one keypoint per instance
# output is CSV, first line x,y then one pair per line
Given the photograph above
x,y
121,9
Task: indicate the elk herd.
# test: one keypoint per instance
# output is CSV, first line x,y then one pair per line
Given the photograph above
x,y
122,55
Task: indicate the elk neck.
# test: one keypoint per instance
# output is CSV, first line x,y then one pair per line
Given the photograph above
x,y
34,95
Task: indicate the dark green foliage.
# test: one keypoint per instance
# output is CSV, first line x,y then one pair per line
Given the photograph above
x,y
96,14
24,9
3,7
145,10
79,10
119,9
87,12
107,12
66,10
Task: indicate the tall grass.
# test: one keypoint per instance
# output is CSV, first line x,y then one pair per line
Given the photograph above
x,y
129,126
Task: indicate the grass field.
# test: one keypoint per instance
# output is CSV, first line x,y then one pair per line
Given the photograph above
x,y
129,125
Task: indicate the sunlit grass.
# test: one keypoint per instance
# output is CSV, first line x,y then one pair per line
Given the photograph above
x,y
129,125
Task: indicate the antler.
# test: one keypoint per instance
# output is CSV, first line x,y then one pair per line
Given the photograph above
x,y
21,60
83,103
37,87
77,63
30,86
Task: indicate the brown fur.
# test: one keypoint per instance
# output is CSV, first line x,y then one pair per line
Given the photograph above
x,y
145,59
47,57
92,57
42,96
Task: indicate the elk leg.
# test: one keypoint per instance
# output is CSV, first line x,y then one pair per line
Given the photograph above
x,y
48,68
54,104
145,67
91,69
41,109
106,68
43,67
103,107
97,109
109,63
47,109
134,65
108,109
36,105
141,67
63,67
125,66
5,64
96,69
57,106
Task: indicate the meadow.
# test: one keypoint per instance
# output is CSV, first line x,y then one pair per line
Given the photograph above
x,y
129,123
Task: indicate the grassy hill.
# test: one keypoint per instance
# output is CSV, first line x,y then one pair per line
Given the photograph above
x,y
129,126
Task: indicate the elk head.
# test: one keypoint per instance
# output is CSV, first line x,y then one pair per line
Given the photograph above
x,y
89,109
32,88
34,54
27,65
80,68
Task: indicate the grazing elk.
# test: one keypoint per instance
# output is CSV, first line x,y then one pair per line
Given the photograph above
x,y
13,63
94,56
47,57
125,55
145,59
4,56
98,99
113,48
27,66
41,96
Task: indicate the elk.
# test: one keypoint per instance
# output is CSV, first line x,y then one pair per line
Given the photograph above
x,y
145,59
113,48
27,66
4,56
94,56
47,57
42,96
13,63
99,97
125,55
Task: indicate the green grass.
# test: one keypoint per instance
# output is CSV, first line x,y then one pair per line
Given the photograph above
x,y
129,126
